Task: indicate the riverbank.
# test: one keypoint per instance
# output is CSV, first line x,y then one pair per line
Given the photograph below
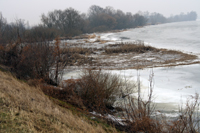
x,y
27,109
102,53
175,63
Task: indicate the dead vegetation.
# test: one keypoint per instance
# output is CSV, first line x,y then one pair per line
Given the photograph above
x,y
27,109
129,47
139,56
94,91
99,90
78,50
138,114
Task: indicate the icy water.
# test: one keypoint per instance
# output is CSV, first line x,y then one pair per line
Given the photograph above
x,y
172,86
184,36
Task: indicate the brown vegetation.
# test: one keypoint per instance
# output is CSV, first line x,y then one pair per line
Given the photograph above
x,y
138,56
94,91
27,109
41,60
129,47
30,55
99,90
137,115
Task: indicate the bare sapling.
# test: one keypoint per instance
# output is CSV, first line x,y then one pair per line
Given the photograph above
x,y
188,120
137,112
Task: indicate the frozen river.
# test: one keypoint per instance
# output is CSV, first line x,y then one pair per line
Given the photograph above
x,y
175,84
184,36
171,85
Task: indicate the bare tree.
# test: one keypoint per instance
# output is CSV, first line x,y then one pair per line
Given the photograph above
x,y
68,21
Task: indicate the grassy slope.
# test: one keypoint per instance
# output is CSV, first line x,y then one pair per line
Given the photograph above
x,y
27,109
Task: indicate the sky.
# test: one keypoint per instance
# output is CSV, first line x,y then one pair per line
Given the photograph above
x,y
31,10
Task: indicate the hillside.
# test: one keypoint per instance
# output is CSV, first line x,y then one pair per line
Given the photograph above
x,y
27,109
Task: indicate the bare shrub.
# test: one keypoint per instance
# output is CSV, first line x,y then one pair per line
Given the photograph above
x,y
65,94
137,112
99,90
138,115
188,120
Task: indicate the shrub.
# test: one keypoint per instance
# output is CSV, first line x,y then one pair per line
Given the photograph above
x,y
188,120
138,115
65,93
100,90
137,112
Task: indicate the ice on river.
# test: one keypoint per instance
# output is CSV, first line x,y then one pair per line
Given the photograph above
x,y
171,85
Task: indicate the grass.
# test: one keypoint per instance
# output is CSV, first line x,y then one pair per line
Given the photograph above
x,y
27,109
78,50
184,56
138,56
129,47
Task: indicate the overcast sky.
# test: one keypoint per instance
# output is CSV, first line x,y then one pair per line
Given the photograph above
x,y
31,10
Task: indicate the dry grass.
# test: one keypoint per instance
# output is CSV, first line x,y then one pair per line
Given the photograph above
x,y
77,56
100,41
78,50
139,56
129,47
184,56
27,109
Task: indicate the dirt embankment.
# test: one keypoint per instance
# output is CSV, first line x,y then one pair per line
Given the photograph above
x,y
27,109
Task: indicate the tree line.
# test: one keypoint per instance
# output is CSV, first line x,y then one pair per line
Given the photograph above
x,y
28,51
157,18
71,22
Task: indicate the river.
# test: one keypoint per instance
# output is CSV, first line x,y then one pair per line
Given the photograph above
x,y
172,85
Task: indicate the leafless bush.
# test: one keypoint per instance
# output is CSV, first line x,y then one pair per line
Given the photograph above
x,y
100,90
137,112
66,93
188,120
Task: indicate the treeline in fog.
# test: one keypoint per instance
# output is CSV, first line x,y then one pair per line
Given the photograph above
x,y
157,18
71,22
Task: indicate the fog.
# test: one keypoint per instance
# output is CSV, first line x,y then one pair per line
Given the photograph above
x,y
32,10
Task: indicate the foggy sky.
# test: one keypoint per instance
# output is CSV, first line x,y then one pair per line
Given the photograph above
x,y
31,10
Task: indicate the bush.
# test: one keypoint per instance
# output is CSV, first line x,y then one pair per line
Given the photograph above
x,y
100,90
137,112
138,115
65,93
188,120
